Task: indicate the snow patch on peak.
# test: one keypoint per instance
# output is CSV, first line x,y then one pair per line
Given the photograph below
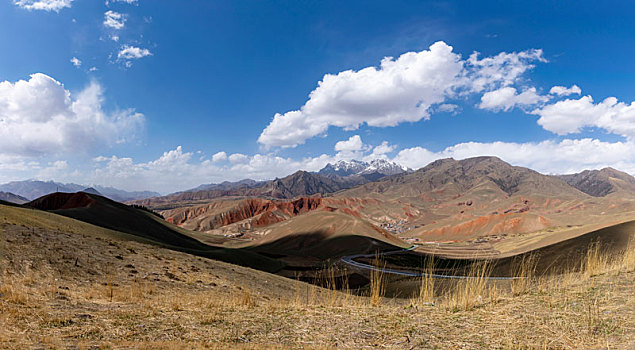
x,y
356,167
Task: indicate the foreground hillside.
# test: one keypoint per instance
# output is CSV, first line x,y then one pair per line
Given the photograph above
x,y
137,222
70,284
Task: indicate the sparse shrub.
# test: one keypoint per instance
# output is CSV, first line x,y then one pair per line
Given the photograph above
x,y
426,288
377,286
595,262
466,293
246,299
523,271
144,208
13,292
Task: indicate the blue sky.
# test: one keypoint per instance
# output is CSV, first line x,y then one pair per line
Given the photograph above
x,y
165,95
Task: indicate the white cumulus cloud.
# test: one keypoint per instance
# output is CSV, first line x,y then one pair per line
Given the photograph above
x,y
506,98
76,61
238,158
43,5
380,151
128,52
114,20
565,91
571,115
354,143
39,116
504,69
552,157
400,90
219,157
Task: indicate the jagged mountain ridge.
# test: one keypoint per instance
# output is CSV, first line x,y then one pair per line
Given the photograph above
x,y
300,183
600,183
462,175
332,178
359,170
225,185
356,167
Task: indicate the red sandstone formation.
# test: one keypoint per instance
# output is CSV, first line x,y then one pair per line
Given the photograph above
x,y
265,212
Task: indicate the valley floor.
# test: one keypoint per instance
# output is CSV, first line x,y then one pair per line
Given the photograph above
x,y
76,290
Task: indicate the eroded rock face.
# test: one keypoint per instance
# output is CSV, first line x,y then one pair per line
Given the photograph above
x,y
492,224
264,212
600,183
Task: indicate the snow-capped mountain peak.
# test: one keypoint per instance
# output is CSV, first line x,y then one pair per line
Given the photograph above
x,y
384,167
356,167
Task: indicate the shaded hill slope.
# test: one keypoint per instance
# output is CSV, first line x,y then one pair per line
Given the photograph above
x,y
324,235
103,212
551,256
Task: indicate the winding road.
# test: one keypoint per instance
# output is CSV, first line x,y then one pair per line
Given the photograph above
x,y
350,260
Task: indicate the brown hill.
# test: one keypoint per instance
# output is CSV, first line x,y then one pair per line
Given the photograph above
x,y
106,213
322,235
600,183
449,177
483,196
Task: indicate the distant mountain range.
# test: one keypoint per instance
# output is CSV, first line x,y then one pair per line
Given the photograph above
x,y
447,199
361,178
300,183
32,189
12,198
370,171
225,185
332,178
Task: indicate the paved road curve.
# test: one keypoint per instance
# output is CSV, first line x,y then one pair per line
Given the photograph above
x,y
350,260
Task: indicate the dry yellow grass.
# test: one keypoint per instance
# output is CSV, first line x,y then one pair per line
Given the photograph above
x,y
465,294
377,286
64,290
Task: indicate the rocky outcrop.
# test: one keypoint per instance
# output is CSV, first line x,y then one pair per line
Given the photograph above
x,y
264,212
600,183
